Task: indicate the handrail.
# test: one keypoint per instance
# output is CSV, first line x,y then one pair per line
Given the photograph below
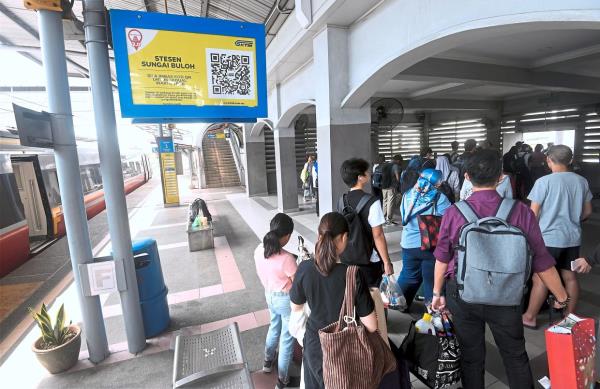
x,y
235,146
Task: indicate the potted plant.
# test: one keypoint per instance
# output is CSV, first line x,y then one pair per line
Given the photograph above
x,y
58,347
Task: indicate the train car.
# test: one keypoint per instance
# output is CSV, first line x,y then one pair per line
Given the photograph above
x,y
32,216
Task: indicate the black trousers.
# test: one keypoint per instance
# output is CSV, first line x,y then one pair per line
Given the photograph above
x,y
373,273
312,358
507,329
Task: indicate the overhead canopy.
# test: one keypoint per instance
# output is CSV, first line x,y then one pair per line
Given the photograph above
x,y
20,27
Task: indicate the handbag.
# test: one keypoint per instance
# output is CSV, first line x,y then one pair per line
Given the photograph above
x,y
434,359
353,358
429,228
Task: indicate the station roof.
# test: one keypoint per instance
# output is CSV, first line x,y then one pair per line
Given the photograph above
x,y
20,26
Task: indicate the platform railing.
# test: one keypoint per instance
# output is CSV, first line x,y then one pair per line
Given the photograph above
x,y
237,157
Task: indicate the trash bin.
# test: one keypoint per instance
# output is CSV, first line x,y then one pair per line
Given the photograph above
x,y
151,287
201,237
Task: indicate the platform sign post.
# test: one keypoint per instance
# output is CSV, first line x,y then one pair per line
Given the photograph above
x,y
174,68
166,150
69,179
112,173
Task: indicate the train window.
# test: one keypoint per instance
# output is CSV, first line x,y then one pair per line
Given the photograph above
x,y
17,172
10,202
52,189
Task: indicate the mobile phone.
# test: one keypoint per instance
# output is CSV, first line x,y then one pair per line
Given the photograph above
x,y
573,266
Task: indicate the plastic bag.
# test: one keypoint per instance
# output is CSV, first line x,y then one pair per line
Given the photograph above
x,y
196,222
391,294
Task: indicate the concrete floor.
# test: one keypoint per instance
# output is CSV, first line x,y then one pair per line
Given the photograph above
x,y
202,298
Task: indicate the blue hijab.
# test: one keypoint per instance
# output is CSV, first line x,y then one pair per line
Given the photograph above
x,y
422,195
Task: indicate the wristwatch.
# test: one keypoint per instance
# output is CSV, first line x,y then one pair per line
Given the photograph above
x,y
436,294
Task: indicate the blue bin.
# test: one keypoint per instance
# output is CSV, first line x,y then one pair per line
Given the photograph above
x,y
151,287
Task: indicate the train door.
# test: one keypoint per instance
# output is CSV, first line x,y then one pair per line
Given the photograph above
x,y
29,192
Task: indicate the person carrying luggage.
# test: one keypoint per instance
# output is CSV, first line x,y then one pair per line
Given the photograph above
x,y
482,280
421,203
321,284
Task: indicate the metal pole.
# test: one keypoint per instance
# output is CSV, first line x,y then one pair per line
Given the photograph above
x,y
161,134
67,168
110,166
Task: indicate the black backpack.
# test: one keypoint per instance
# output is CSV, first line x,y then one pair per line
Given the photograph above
x,y
360,238
386,175
447,190
377,177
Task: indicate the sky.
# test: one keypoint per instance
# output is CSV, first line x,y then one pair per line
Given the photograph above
x,y
17,70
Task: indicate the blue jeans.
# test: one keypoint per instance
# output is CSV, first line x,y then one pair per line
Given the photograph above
x,y
280,310
417,268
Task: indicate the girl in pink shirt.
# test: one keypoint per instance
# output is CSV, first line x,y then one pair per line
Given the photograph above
x,y
276,269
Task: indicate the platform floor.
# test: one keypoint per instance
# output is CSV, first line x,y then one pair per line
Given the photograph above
x,y
207,290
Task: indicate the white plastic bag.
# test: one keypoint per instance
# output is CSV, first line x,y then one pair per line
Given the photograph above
x,y
391,294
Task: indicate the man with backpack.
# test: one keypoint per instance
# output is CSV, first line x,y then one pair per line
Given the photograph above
x,y
367,246
485,276
390,179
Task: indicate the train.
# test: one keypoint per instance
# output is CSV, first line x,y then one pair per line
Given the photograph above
x,y
31,215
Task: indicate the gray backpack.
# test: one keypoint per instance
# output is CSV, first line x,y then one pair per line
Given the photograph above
x,y
494,258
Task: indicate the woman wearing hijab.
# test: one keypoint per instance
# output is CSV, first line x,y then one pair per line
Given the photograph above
x,y
450,174
418,264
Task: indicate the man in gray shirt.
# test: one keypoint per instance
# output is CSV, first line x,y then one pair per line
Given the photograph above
x,y
561,201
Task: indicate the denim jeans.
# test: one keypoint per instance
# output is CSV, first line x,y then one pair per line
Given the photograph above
x,y
280,310
417,268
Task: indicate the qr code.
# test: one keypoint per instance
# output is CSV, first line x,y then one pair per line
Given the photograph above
x,y
230,74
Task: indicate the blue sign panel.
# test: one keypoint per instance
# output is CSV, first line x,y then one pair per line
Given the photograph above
x,y
173,68
165,145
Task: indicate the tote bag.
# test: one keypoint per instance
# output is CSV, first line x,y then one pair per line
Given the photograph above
x,y
353,358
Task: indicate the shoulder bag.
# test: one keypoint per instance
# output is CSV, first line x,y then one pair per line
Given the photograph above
x,y
353,358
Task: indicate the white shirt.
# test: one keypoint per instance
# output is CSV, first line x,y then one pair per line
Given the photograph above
x,y
376,219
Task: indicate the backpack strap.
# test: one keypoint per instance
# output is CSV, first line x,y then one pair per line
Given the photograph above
x,y
505,209
362,203
342,203
466,211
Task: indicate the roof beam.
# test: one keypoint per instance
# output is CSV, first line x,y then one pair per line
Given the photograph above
x,y
566,56
204,8
449,70
411,105
432,90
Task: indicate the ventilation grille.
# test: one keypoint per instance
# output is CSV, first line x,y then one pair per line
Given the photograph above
x,y
269,150
404,140
591,138
443,134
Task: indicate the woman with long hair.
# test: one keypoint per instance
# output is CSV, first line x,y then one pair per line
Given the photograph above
x,y
424,199
276,269
321,284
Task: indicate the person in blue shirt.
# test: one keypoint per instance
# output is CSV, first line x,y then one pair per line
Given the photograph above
x,y
418,264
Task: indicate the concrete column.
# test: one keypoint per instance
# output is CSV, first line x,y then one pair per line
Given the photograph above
x,y
285,162
256,165
341,133
493,121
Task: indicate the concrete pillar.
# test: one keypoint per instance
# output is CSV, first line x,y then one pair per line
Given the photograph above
x,y
493,121
341,133
256,165
285,162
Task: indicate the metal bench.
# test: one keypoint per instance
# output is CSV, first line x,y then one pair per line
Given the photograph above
x,y
211,360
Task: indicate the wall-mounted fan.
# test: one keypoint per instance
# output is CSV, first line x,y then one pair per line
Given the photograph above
x,y
387,112
301,123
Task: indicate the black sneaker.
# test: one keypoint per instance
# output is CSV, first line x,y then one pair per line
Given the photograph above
x,y
267,366
280,384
